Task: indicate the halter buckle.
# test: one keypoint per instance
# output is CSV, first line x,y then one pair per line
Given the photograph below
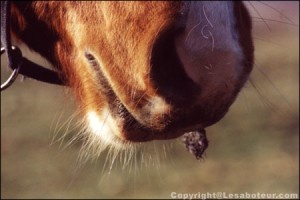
x,y
13,75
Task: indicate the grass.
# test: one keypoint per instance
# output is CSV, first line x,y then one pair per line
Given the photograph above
x,y
255,148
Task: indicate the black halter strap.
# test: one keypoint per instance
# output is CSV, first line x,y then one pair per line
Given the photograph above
x,y
16,61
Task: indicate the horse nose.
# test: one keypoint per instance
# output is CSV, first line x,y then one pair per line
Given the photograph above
x,y
204,54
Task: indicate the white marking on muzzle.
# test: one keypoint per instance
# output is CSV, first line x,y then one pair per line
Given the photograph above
x,y
104,127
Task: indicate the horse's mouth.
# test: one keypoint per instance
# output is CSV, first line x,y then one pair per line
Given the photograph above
x,y
122,128
114,123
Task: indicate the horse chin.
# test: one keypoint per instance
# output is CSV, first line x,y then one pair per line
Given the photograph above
x,y
114,130
104,130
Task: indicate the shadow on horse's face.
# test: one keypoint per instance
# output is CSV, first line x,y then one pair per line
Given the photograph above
x,y
143,70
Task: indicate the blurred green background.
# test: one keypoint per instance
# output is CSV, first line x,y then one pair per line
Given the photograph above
x,y
254,148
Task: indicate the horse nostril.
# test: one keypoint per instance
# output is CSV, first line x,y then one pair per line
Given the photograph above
x,y
167,72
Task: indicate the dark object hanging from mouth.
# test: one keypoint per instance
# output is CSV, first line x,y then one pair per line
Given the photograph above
x,y
196,142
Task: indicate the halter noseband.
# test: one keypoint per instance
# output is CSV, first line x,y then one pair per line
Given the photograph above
x,y
18,63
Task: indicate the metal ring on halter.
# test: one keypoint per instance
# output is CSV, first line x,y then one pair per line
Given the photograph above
x,y
13,75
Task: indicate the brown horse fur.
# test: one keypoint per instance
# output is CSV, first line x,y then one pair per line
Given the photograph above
x,y
111,54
